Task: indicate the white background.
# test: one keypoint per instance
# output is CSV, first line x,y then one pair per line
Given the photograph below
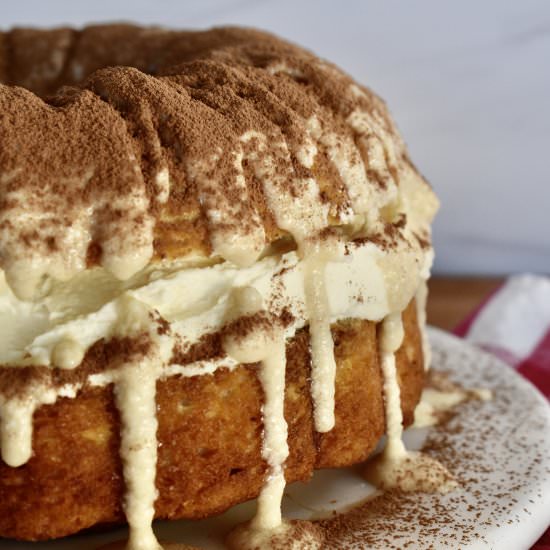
x,y
468,83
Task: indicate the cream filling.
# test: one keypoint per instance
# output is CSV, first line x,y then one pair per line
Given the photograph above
x,y
79,313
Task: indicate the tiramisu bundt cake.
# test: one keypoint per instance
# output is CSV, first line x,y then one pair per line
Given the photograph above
x,y
214,253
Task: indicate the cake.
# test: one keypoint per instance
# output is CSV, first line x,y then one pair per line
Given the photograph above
x,y
214,252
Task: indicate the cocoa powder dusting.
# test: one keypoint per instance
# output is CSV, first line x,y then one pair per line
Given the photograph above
x,y
100,357
111,119
477,443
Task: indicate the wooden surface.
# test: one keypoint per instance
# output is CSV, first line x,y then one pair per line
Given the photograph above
x,y
452,299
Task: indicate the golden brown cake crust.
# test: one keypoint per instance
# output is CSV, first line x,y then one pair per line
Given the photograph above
x,y
209,438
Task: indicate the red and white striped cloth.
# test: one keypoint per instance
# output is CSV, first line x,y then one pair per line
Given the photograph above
x,y
514,324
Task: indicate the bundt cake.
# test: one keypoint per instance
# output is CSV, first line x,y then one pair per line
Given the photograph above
x,y
214,254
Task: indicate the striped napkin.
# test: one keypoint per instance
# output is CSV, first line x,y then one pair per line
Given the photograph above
x,y
514,324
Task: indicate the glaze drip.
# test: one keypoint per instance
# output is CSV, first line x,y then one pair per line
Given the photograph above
x,y
135,390
16,428
16,425
391,338
265,344
323,363
135,399
396,467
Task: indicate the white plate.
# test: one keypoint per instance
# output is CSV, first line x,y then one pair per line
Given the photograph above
x,y
500,450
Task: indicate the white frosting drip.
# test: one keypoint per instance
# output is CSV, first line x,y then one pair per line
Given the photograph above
x,y
421,300
274,446
24,281
17,431
347,160
440,398
247,537
396,467
16,424
323,363
135,391
304,215
290,535
222,201
391,338
267,345
379,149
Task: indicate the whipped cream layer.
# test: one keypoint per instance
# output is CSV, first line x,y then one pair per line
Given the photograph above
x,y
363,281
